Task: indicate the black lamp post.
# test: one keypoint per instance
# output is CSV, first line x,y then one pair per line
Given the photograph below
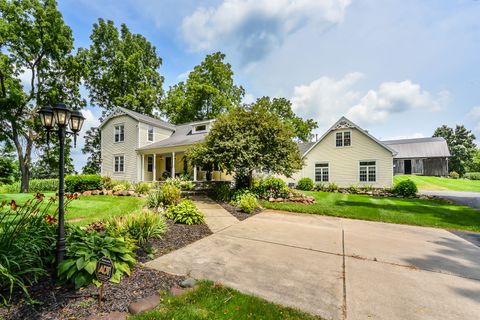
x,y
62,117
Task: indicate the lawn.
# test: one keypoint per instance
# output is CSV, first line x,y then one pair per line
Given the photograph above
x,y
211,301
437,183
89,208
419,212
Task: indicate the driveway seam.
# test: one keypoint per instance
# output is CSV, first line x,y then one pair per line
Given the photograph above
x,y
411,267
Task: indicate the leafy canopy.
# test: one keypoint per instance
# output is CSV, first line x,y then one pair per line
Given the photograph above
x,y
208,91
283,108
92,147
461,143
245,140
122,69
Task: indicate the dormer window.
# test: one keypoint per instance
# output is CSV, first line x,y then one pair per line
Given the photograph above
x,y
343,139
150,134
199,128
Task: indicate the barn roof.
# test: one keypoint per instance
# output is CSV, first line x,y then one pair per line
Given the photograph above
x,y
419,148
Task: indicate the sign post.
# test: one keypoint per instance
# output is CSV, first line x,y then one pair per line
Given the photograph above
x,y
104,272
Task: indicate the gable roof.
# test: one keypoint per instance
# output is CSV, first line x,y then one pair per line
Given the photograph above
x,y
344,123
182,136
303,147
419,148
139,117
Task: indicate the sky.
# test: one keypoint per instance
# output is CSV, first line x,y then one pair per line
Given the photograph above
x,y
398,69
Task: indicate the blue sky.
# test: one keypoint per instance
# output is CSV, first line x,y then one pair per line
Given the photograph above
x,y
397,68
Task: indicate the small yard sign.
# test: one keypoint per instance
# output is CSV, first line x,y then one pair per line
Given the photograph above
x,y
104,270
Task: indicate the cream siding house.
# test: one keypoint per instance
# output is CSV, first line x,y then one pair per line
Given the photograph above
x,y
347,155
136,147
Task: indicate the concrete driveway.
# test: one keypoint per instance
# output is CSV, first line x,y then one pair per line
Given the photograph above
x,y
469,199
340,268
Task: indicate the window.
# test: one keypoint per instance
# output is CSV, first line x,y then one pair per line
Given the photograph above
x,y
119,164
321,172
150,163
368,171
202,127
343,139
119,133
150,134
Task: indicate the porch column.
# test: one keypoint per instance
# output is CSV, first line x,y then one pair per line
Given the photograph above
x,y
173,164
194,173
143,167
154,167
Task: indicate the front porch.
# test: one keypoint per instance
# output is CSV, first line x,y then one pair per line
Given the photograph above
x,y
162,164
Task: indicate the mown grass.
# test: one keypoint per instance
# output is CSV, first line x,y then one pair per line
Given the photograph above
x,y
419,212
212,301
89,208
437,183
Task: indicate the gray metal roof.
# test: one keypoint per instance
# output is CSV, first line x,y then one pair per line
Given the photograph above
x,y
419,148
304,147
182,136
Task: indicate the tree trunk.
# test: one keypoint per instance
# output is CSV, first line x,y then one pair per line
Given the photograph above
x,y
25,170
23,158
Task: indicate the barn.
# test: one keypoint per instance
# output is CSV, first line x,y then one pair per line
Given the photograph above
x,y
422,156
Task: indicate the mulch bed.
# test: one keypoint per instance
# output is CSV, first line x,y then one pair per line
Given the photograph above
x,y
61,302
240,215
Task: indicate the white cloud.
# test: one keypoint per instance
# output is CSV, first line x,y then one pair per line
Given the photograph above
x,y
408,136
326,99
248,98
474,113
254,27
91,120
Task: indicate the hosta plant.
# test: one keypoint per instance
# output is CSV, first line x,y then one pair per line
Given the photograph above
x,y
185,212
84,249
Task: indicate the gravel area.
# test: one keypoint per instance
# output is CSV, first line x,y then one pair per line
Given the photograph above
x,y
240,215
63,302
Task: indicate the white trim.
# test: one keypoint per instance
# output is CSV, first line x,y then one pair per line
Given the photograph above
x,y
368,166
321,174
115,133
124,161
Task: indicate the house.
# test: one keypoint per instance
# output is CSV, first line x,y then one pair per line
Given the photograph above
x,y
348,155
136,147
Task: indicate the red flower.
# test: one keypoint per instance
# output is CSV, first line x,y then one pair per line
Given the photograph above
x,y
50,219
13,205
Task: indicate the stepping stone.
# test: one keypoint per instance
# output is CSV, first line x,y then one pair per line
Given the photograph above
x,y
188,283
144,304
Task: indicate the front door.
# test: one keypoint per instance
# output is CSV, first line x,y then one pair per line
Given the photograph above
x,y
168,164
408,166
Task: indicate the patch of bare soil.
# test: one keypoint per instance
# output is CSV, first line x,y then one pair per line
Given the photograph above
x,y
237,213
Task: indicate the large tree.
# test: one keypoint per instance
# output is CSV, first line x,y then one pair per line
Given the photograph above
x,y
36,44
208,91
461,143
92,148
245,140
8,165
122,69
283,108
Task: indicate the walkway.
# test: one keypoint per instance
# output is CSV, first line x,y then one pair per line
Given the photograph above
x,y
216,217
339,268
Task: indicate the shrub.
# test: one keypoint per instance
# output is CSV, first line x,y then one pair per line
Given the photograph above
x,y
171,194
319,186
472,175
405,188
305,184
155,199
83,182
35,185
247,202
180,183
332,187
354,189
27,244
185,212
454,175
142,187
125,183
367,187
84,249
107,182
119,187
222,192
140,226
270,187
